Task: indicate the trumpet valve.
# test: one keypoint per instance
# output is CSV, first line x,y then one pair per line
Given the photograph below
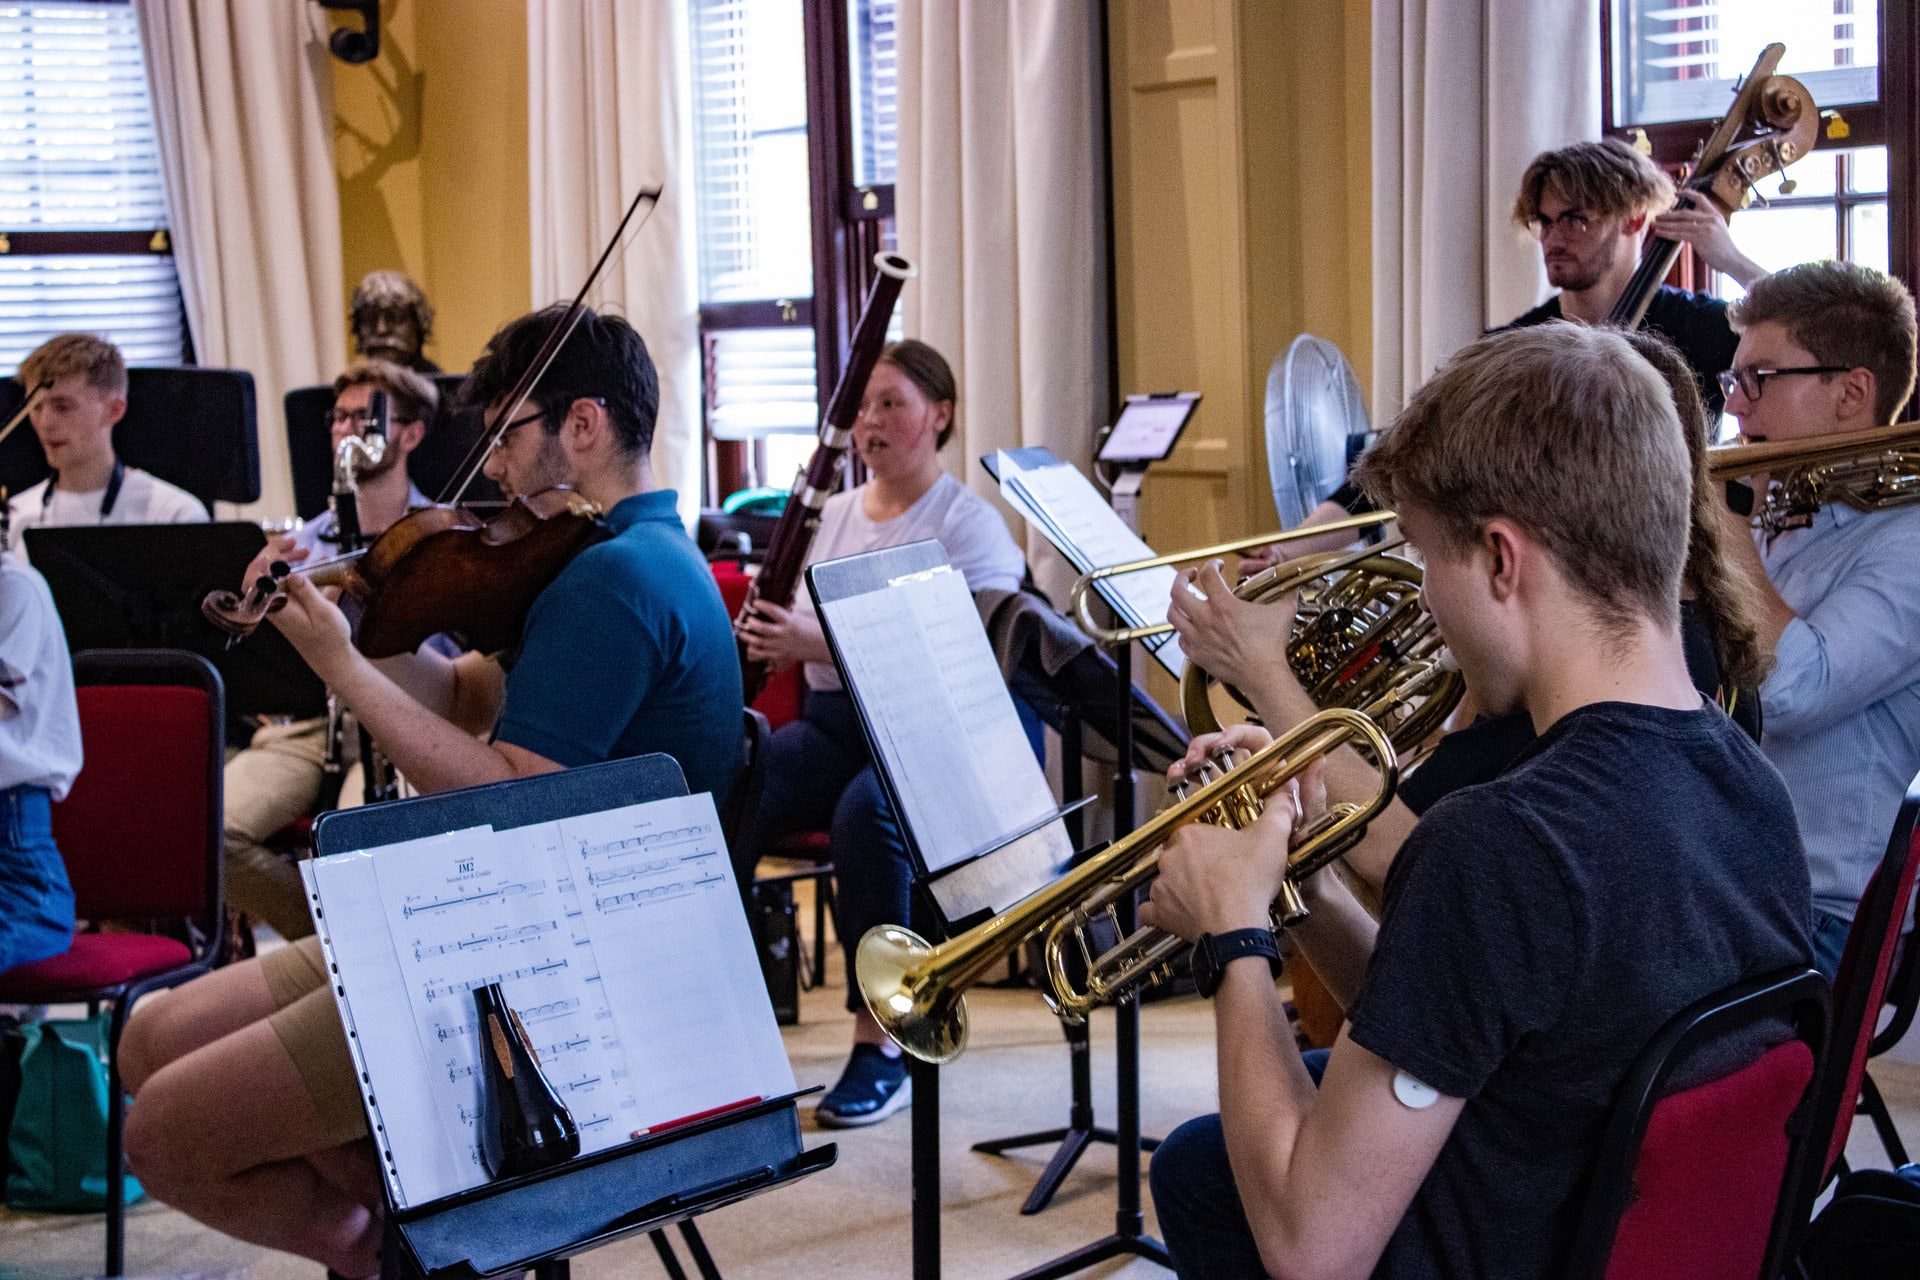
x,y
1289,909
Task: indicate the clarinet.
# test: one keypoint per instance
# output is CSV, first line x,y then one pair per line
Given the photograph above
x,y
779,577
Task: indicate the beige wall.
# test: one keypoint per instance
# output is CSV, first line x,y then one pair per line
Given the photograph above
x,y
1241,179
430,144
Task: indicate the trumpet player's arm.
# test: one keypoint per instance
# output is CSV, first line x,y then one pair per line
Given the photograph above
x,y
1324,1174
434,752
1245,644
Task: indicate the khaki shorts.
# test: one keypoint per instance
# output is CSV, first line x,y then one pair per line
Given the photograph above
x,y
308,1024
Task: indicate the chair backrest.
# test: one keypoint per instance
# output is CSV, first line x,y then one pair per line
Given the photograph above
x,y
780,700
196,428
1707,1181
140,830
1861,986
743,802
310,451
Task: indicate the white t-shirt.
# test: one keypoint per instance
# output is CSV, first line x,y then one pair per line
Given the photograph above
x,y
39,720
143,499
975,538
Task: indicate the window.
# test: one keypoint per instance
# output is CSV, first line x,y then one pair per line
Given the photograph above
x,y
784,91
83,222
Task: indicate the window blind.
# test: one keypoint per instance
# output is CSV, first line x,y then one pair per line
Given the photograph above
x,y
78,153
874,50
761,381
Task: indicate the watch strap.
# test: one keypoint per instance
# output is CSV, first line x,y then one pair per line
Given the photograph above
x,y
1237,944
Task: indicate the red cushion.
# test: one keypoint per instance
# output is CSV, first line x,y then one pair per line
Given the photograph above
x,y
95,962
779,702
133,832
1709,1174
814,846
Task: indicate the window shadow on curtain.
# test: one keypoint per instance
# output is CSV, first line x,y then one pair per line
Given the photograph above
x,y
243,106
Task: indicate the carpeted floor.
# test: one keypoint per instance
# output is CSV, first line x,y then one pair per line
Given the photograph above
x,y
851,1221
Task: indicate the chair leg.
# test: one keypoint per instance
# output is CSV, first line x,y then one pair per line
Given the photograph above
x,y
823,906
669,1260
116,1159
1876,1107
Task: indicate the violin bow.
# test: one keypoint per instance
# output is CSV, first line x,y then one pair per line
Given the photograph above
x,y
548,352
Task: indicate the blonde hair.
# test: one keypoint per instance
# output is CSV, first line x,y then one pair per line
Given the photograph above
x,y
1604,178
1727,595
71,355
1566,431
415,398
1843,314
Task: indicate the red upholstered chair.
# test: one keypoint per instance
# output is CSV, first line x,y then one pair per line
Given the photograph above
x,y
1866,984
1710,1182
140,835
779,702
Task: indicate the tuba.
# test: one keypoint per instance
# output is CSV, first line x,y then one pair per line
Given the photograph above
x,y
1359,632
916,991
1867,470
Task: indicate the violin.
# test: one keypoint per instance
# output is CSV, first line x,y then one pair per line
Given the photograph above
x,y
445,569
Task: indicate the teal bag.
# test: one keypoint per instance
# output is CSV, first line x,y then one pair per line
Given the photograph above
x,y
57,1147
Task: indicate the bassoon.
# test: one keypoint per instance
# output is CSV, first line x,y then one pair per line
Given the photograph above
x,y
779,576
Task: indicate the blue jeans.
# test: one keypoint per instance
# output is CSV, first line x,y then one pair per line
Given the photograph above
x,y
36,902
1197,1203
819,777
1829,940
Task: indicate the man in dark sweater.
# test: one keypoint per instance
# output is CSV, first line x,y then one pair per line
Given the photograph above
x,y
1538,929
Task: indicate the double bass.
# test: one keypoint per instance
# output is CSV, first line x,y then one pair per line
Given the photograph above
x,y
1784,126
444,569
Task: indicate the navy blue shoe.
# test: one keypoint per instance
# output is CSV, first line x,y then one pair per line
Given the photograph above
x,y
872,1088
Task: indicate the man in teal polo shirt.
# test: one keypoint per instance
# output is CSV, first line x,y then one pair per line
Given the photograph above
x,y
628,651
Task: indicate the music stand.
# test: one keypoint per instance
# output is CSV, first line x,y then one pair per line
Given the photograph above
x,y
539,1220
135,586
950,892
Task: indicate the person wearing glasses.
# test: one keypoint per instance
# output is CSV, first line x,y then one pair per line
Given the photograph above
x,y
281,774
247,1116
1827,347
1592,205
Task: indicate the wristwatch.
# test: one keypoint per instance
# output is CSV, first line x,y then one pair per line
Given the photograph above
x,y
1214,952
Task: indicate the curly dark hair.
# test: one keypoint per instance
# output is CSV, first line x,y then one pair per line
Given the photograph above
x,y
602,359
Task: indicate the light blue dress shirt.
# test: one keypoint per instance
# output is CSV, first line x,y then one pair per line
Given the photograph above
x,y
1842,707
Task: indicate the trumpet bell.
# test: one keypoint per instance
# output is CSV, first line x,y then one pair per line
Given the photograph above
x,y
923,1018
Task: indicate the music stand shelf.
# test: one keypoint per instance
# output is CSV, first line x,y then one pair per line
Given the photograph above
x,y
538,1221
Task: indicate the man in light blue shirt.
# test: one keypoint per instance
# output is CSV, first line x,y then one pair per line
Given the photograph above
x,y
1828,347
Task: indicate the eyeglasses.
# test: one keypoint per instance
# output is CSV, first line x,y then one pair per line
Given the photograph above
x,y
1575,223
360,419
500,437
1752,381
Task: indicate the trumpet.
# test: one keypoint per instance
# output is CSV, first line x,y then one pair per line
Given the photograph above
x,y
1868,470
917,991
1359,630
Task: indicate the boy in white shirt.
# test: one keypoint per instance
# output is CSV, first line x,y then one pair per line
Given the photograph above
x,y
82,385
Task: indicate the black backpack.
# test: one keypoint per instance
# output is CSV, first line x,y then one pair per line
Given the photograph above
x,y
1869,1230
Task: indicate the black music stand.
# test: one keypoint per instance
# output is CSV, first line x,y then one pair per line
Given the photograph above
x,y
138,586
540,1220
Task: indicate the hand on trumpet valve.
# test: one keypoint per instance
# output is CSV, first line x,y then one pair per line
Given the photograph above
x,y
1233,639
1260,559
1206,753
1215,879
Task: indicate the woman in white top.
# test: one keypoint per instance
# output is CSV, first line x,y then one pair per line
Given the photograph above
x,y
818,771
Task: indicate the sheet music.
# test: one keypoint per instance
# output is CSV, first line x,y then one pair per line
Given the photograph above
x,y
918,660
674,1023
1072,515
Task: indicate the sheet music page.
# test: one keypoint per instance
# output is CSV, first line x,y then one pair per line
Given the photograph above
x,y
658,899
418,1161
499,906
919,660
1073,515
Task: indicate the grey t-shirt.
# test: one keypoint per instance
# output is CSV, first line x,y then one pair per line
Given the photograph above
x,y
965,524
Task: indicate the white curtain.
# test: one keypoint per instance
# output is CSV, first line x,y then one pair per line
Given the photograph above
x,y
1465,93
243,105
609,115
997,202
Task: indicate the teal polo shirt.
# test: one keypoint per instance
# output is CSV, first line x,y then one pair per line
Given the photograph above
x,y
630,651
